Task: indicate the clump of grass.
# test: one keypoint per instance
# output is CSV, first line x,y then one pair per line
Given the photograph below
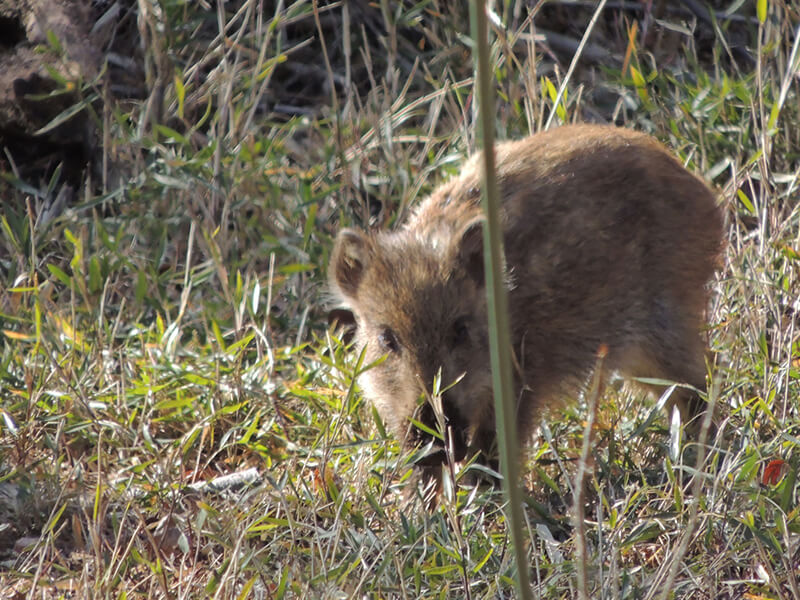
x,y
168,327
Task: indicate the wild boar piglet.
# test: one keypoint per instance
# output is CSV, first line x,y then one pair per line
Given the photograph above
x,y
609,242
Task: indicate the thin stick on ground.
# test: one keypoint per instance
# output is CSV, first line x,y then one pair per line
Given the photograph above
x,y
582,558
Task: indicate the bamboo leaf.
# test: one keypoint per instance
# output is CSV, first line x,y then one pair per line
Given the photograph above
x,y
66,115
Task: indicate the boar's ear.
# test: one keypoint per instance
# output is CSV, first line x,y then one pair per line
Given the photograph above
x,y
349,261
470,250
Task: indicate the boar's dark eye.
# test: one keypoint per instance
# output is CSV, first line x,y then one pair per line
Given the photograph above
x,y
388,341
460,332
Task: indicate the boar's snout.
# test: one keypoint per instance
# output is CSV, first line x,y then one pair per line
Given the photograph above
x,y
454,433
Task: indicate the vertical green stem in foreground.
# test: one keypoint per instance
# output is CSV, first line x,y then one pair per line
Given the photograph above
x,y
499,336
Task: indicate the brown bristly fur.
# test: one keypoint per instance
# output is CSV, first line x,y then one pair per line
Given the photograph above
x,y
609,242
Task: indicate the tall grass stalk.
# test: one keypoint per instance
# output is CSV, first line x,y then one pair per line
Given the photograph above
x,y
499,329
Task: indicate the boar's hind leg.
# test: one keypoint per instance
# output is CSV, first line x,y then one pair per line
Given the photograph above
x,y
678,359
